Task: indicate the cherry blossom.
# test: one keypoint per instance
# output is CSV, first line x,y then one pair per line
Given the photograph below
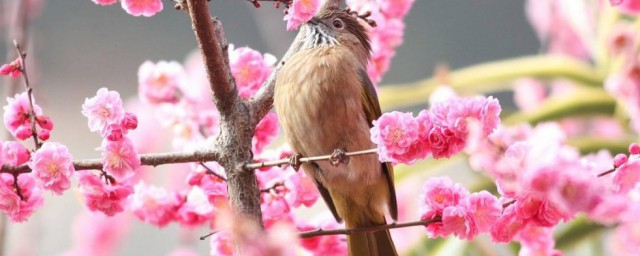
x,y
108,199
52,167
300,12
103,109
145,8
160,82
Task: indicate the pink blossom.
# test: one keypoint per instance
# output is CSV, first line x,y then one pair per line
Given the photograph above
x,y
446,141
631,7
108,199
302,189
153,205
114,132
395,8
458,221
129,121
394,133
250,68
145,8
529,93
485,208
627,176
12,69
300,12
507,226
184,251
625,239
537,241
52,167
120,158
16,116
440,192
160,82
196,210
17,209
105,2
44,134
13,153
634,149
97,234
622,39
265,132
222,244
619,160
103,109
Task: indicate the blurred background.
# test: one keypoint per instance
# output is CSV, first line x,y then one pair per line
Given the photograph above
x,y
76,47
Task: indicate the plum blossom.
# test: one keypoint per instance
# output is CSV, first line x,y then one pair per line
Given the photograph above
x,y
394,133
153,205
627,6
12,69
160,82
52,167
103,109
120,158
250,69
108,199
145,8
196,210
322,245
266,131
442,131
17,118
16,208
14,153
97,234
300,12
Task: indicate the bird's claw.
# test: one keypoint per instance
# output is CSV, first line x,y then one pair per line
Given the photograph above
x,y
294,161
338,157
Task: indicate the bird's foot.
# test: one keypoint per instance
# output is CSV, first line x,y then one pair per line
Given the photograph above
x,y
339,157
294,161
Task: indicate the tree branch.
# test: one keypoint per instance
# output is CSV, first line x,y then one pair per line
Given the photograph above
x,y
224,90
293,161
349,231
154,159
27,87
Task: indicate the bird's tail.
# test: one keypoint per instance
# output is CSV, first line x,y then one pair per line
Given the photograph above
x,y
376,243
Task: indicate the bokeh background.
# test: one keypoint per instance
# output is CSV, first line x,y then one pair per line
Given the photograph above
x,y
76,47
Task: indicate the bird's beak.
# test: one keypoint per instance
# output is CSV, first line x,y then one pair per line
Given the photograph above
x,y
313,21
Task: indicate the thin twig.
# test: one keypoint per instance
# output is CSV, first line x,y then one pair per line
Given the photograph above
x,y
154,159
287,160
27,87
208,235
349,231
273,187
607,172
212,172
18,190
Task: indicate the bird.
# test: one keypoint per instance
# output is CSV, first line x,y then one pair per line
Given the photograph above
x,y
325,101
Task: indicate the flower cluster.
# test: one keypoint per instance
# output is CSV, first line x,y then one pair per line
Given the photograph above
x,y
441,131
250,69
18,206
17,118
387,34
462,214
12,69
145,8
106,115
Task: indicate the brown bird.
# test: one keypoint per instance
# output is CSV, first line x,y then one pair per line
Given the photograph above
x,y
326,101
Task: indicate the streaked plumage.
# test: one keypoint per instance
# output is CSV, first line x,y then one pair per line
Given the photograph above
x,y
325,101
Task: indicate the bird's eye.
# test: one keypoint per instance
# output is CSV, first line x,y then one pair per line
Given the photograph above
x,y
337,23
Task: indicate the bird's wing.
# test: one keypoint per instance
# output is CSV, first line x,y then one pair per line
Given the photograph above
x,y
324,192
372,111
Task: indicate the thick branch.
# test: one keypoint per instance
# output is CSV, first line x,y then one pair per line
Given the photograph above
x,y
224,91
146,159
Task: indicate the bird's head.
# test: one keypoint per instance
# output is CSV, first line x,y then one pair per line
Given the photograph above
x,y
336,28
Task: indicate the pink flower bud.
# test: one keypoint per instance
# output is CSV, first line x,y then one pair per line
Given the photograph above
x,y
129,121
44,122
114,132
619,160
12,69
24,132
13,153
634,149
44,134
